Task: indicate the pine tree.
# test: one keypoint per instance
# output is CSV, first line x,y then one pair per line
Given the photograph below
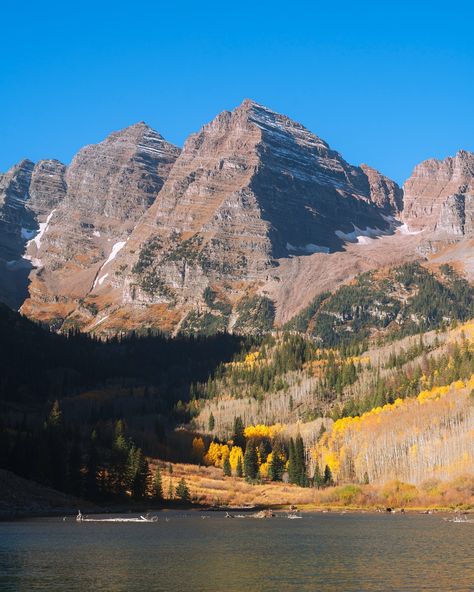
x,y
138,473
327,476
182,491
238,437
277,466
301,476
318,479
212,422
239,470
170,490
250,462
226,467
157,484
293,475
119,464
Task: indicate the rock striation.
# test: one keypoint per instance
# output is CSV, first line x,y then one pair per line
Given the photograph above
x,y
242,228
439,196
251,187
92,209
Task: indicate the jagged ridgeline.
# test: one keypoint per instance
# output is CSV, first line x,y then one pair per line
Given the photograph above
x,y
237,231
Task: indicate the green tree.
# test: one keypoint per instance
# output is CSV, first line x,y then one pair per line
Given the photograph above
x,y
238,437
226,467
293,475
120,458
318,478
277,465
182,491
302,478
212,422
239,471
327,479
138,473
250,462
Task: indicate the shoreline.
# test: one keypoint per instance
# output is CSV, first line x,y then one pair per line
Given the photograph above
x,y
279,509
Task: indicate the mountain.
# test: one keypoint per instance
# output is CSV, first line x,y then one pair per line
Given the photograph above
x,y
106,189
250,189
439,196
239,231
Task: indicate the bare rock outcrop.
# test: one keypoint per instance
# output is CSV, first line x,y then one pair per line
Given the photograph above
x,y
438,196
106,189
243,227
249,188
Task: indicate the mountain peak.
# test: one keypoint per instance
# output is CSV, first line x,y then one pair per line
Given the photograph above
x,y
135,131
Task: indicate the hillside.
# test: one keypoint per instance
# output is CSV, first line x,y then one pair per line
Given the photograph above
x,y
281,406
402,410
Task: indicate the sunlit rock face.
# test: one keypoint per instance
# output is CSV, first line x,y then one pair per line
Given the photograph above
x,y
438,196
249,188
255,216
86,210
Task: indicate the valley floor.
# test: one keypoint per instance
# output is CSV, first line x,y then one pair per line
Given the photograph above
x,y
209,487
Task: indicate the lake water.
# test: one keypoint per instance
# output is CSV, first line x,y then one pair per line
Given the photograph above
x,y
321,552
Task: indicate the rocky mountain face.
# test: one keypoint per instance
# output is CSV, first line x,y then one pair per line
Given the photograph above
x,y
28,192
16,220
439,196
251,188
104,191
244,226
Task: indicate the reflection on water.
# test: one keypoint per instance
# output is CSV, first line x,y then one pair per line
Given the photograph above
x,y
321,552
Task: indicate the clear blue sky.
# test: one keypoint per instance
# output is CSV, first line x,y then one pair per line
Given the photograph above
x,y
387,83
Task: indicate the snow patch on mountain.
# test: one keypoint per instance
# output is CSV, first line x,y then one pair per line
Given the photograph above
x,y
361,237
43,227
115,250
310,248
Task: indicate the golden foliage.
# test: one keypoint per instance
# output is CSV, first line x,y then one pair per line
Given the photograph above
x,y
216,454
236,453
198,449
261,431
410,437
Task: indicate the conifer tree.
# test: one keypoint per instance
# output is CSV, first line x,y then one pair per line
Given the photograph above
x,y
226,467
293,476
212,422
239,470
318,479
138,473
250,462
301,476
120,458
182,491
327,476
238,437
277,465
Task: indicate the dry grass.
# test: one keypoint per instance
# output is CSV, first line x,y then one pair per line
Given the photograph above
x,y
208,486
